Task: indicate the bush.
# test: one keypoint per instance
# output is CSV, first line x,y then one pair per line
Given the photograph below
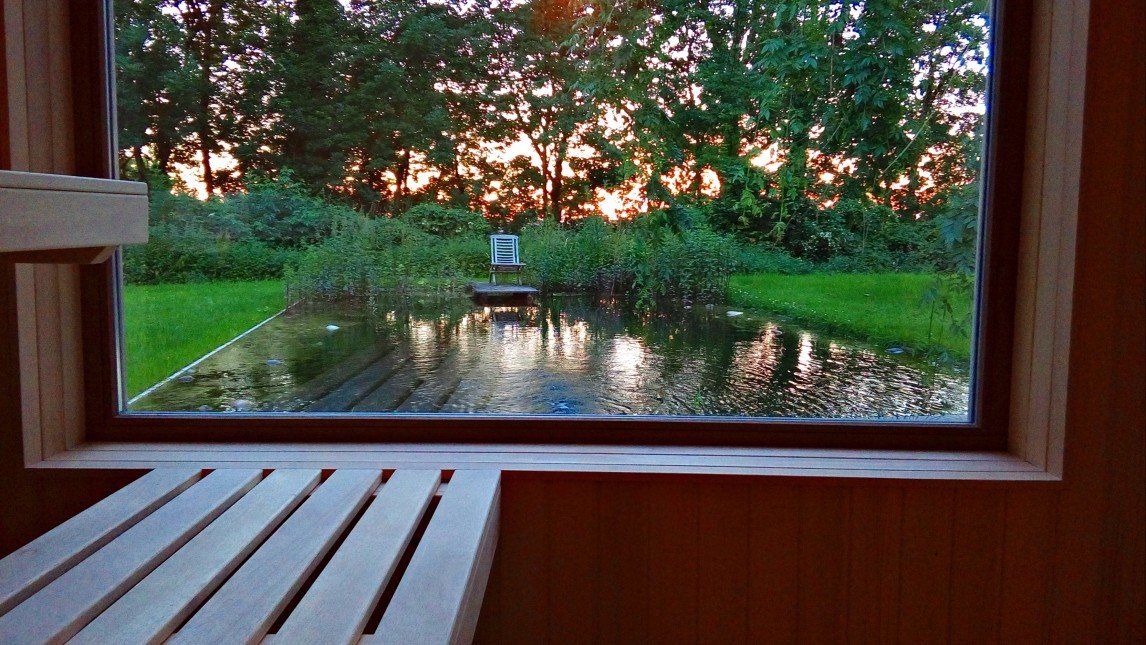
x,y
189,255
587,258
278,214
761,259
363,256
444,221
245,236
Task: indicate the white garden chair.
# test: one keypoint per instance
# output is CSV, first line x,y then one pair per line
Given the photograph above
x,y
503,257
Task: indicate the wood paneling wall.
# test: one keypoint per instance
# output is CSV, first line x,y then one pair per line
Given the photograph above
x,y
41,138
679,559
38,135
749,560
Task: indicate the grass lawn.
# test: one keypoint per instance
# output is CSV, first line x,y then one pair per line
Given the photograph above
x,y
167,326
885,308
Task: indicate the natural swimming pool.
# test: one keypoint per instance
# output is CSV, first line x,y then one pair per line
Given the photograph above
x,y
566,355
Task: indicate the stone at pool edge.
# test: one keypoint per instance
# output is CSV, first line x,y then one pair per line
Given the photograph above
x,y
242,405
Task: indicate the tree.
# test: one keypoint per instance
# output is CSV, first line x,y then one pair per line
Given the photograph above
x,y
152,87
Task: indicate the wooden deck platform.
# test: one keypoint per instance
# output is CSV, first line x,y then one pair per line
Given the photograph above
x,y
487,290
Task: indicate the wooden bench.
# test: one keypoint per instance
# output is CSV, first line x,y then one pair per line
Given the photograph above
x,y
239,556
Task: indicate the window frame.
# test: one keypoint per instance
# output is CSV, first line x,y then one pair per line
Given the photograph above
x,y
93,95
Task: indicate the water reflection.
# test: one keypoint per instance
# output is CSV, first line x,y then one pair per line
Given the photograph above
x,y
566,356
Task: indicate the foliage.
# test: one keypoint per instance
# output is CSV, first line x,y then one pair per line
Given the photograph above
x,y
789,104
763,259
957,225
365,255
444,221
243,236
166,327
650,261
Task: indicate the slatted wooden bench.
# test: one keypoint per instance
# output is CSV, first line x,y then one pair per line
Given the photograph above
x,y
243,556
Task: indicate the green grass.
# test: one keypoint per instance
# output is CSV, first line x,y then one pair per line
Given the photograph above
x,y
167,326
883,308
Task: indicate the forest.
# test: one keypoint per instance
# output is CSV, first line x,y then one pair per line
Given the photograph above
x,y
359,143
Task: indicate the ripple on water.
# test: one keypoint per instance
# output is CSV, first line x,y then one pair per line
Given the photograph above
x,y
567,356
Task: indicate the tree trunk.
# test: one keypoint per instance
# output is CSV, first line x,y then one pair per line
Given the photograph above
x,y
208,172
140,163
557,185
403,174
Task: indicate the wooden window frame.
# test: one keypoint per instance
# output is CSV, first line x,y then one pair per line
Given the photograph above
x,y
990,393
1027,258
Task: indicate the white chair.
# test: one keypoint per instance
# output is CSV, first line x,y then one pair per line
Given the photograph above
x,y
503,257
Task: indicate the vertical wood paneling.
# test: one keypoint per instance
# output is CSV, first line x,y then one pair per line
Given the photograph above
x,y
673,512
37,56
25,288
873,564
50,361
774,564
17,104
823,593
71,350
571,524
891,518
925,564
722,578
523,559
5,142
976,565
1028,537
623,563
41,139
60,87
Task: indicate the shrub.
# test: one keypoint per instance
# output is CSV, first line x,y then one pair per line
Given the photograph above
x,y
762,259
244,236
189,255
278,213
363,256
444,221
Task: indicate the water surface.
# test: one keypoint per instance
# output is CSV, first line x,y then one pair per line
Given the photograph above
x,y
569,355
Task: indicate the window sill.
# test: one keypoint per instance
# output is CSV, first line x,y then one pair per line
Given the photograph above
x,y
584,459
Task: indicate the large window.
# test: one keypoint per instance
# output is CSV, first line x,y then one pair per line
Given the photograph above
x,y
730,210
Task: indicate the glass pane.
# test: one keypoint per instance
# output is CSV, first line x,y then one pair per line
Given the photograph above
x,y
761,208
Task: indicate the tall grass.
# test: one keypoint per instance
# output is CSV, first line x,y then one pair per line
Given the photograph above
x,y
364,255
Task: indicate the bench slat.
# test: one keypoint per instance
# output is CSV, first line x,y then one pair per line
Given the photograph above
x,y
440,594
336,607
26,571
65,605
244,608
162,600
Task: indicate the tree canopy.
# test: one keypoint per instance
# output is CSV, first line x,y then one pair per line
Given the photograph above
x,y
763,113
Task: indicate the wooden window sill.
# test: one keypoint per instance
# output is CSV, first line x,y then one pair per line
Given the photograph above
x,y
536,458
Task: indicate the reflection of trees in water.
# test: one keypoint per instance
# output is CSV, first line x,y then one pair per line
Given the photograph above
x,y
701,361
600,354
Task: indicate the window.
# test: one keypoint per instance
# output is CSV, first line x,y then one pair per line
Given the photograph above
x,y
985,431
